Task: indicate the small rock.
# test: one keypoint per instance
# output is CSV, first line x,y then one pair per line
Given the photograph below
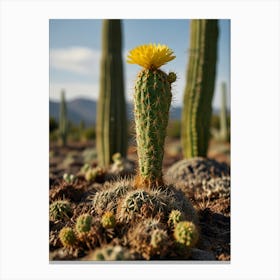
x,y
202,255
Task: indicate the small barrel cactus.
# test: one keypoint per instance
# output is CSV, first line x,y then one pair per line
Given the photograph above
x,y
107,199
67,237
60,209
83,223
186,234
133,204
108,220
152,101
149,238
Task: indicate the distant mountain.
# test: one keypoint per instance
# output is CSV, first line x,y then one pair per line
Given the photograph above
x,y
82,109
78,110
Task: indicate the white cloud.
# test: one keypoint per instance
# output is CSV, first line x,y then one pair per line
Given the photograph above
x,y
80,60
74,90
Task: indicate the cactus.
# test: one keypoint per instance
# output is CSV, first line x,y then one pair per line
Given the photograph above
x,y
67,237
107,199
149,238
69,178
159,238
175,217
83,224
186,234
201,72
108,220
118,163
111,127
224,133
152,100
63,122
138,201
129,204
60,209
92,173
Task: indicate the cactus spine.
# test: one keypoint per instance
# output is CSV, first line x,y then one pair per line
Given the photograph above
x,y
223,114
201,72
111,130
152,100
63,122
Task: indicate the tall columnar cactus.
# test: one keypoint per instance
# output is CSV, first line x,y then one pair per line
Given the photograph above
x,y
224,133
152,100
111,130
63,122
201,72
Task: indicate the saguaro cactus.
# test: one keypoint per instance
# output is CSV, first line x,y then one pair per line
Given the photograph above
x,y
152,100
201,72
224,133
111,128
63,122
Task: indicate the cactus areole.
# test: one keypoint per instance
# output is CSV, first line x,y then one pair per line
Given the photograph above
x,y
152,98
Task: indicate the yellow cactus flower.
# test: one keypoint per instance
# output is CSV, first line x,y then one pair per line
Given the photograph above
x,y
150,56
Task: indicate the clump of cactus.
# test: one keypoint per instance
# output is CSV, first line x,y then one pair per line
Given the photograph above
x,y
92,173
108,220
83,224
109,253
85,168
152,99
131,204
149,238
60,209
201,72
69,178
63,121
111,126
134,203
186,234
67,237
118,163
107,199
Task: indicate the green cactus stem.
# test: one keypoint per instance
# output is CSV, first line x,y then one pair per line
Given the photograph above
x,y
152,100
224,133
63,122
201,72
83,223
111,127
186,233
108,220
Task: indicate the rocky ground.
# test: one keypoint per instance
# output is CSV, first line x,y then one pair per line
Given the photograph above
x,y
213,209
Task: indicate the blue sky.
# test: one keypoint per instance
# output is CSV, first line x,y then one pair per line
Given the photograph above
x,y
75,49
